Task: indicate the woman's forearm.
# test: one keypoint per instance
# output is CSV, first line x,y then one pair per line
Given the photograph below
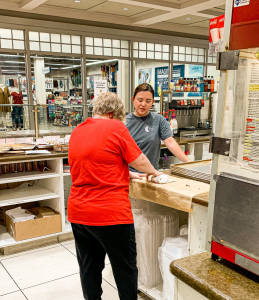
x,y
173,146
142,164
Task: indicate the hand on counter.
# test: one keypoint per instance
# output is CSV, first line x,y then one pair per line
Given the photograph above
x,y
136,175
154,174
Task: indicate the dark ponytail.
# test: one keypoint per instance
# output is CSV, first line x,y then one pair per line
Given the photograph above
x,y
144,87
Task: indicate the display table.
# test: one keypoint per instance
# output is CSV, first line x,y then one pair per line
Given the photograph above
x,y
199,277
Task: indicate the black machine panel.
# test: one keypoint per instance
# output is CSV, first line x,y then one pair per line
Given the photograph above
x,y
236,212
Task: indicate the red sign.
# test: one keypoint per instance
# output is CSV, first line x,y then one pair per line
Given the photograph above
x,y
216,34
245,26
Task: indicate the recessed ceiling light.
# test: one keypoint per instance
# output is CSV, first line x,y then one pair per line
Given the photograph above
x,y
188,19
77,1
125,8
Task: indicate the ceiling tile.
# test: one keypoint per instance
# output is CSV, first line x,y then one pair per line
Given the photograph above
x,y
114,8
182,20
12,1
204,24
177,1
85,4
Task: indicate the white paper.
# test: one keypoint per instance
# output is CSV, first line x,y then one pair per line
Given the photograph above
x,y
100,87
67,138
238,3
37,152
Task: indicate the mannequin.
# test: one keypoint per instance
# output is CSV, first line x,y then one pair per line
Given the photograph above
x,y
17,113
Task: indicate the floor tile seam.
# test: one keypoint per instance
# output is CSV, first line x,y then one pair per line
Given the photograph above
x,y
69,250
48,281
11,293
24,295
109,284
22,254
11,277
117,289
67,243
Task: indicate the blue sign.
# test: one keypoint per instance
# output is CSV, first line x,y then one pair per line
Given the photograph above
x,y
195,71
161,80
178,71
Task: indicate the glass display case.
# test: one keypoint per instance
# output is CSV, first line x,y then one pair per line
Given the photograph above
x,y
241,118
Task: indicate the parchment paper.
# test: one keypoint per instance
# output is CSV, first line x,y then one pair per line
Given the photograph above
x,y
177,194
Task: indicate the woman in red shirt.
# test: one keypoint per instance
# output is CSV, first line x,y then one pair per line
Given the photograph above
x,y
100,151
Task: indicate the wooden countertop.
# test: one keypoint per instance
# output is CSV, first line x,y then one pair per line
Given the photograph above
x,y
182,141
202,199
16,158
216,280
179,194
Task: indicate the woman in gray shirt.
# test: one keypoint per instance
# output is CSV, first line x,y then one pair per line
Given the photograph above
x,y
148,129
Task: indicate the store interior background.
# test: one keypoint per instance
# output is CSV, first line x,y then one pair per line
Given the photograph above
x,y
131,36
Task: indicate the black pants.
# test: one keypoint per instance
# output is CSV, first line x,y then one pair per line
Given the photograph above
x,y
118,242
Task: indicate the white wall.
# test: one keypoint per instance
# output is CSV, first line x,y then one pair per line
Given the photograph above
x,y
40,90
122,77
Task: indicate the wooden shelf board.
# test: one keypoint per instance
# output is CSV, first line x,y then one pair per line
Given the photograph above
x,y
7,240
26,176
27,194
155,293
66,174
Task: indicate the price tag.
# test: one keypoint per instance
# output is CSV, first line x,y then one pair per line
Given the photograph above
x,y
55,138
9,141
19,140
28,140
61,140
40,141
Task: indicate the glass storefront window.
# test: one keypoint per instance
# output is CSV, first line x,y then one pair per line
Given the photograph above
x,y
114,72
12,92
57,84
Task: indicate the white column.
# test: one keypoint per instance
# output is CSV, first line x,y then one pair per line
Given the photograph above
x,y
39,77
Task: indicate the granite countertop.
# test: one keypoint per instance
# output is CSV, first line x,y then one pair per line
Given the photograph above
x,y
23,157
216,280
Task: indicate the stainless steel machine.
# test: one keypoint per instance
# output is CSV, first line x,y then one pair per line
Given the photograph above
x,y
233,218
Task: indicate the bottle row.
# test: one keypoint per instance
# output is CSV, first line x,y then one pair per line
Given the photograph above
x,y
200,84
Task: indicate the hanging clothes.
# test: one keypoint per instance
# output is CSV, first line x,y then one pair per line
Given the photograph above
x,y
55,83
4,99
15,81
11,82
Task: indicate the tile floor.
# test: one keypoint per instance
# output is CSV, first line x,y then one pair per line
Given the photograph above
x,y
49,273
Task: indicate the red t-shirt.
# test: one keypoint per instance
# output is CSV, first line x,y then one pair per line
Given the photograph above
x,y
17,98
100,152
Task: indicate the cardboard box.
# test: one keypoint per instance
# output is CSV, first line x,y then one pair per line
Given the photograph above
x,y
34,228
4,209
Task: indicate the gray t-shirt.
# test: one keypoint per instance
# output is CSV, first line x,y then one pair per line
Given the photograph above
x,y
148,133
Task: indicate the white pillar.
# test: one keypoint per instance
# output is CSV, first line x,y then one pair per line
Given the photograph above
x,y
39,77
